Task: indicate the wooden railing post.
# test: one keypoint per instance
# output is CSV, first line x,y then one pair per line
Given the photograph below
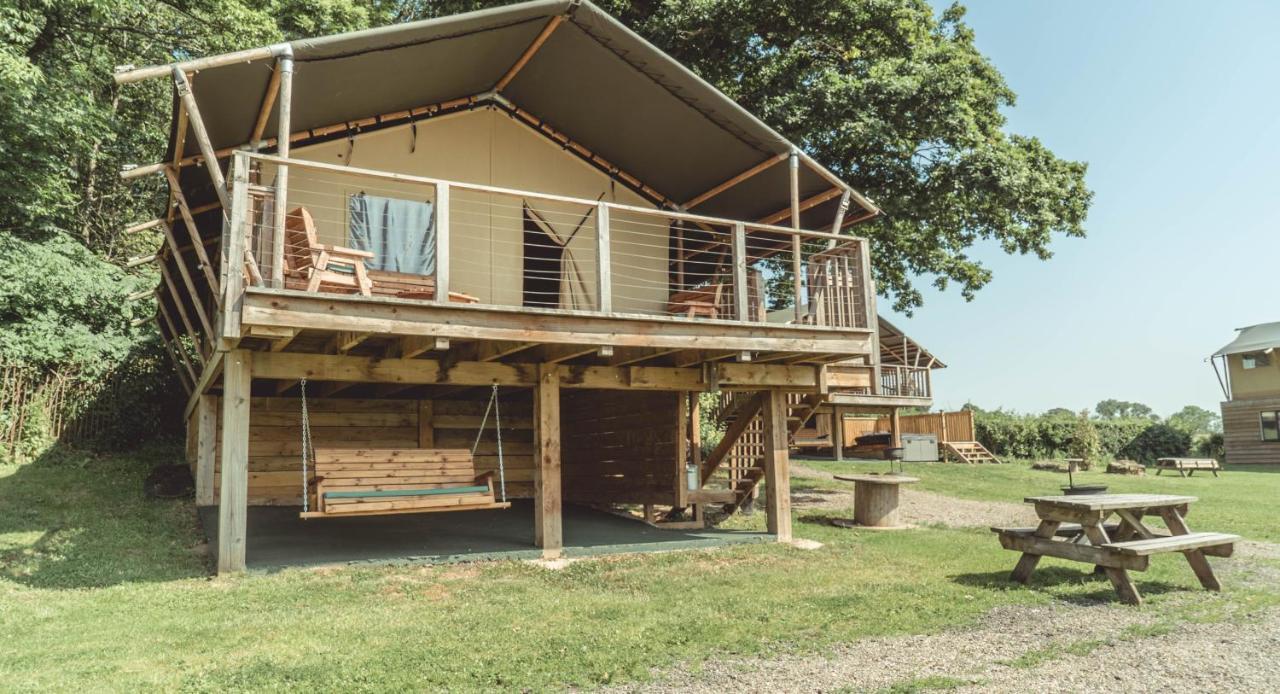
x,y
284,100
740,290
442,243
604,271
233,244
871,317
796,264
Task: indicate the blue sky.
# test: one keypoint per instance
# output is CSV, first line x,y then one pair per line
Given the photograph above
x,y
1175,105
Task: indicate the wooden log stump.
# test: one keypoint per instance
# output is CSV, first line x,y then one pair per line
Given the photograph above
x,y
876,499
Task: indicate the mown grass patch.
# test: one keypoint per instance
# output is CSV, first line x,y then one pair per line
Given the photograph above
x,y
100,588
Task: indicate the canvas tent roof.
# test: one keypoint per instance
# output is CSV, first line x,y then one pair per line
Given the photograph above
x,y
593,79
1255,338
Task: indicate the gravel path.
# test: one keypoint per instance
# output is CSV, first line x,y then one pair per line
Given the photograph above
x,y
1058,647
918,507
1226,657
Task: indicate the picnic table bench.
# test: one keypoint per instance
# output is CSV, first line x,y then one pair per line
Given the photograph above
x,y
1187,466
1075,528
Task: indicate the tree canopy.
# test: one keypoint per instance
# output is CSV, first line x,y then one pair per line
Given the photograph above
x,y
1120,409
889,94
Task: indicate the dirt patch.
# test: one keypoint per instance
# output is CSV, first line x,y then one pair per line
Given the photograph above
x,y
918,507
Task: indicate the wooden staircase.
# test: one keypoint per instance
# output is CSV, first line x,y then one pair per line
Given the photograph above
x,y
970,452
732,471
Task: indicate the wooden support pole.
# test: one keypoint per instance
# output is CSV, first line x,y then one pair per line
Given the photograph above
x,y
604,271
841,210
442,243
143,226
895,428
202,135
233,501
206,423
695,433
284,70
806,204
547,524
682,434
529,52
837,433
777,465
130,74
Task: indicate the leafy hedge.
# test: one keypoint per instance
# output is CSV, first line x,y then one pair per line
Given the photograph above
x,y
1046,436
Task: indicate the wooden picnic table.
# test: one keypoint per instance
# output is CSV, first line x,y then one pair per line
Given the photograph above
x,y
1076,528
1187,467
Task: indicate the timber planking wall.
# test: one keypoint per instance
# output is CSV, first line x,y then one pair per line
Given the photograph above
x,y
619,446
1242,432
275,438
947,426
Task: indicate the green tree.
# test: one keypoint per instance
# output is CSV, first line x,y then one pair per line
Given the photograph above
x,y
895,99
1120,409
1059,412
1085,443
1194,419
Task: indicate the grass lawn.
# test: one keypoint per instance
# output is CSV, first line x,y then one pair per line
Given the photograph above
x,y
1241,500
102,589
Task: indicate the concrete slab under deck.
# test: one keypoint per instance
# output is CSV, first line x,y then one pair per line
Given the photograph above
x,y
277,538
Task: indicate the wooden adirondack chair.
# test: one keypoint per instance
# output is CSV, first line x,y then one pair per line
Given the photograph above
x,y
314,266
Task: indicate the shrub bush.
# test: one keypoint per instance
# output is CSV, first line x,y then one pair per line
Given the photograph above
x,y
1048,436
1157,441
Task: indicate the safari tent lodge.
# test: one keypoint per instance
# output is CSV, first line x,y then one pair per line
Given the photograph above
x,y
458,264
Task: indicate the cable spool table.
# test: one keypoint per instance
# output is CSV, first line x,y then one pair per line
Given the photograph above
x,y
875,500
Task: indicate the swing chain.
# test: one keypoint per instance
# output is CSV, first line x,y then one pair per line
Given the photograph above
x,y
306,443
497,426
496,407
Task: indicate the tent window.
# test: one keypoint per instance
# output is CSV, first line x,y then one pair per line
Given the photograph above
x,y
1270,426
1255,360
401,234
542,264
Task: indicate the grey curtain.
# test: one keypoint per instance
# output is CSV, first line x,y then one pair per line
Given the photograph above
x,y
400,233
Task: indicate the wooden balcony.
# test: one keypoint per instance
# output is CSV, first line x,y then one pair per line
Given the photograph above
x,y
523,275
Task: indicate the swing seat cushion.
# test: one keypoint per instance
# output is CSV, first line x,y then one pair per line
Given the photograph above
x,y
386,481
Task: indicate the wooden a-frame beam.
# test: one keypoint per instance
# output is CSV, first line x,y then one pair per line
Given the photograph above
x,y
182,313
188,99
528,53
173,331
187,281
197,243
268,101
758,168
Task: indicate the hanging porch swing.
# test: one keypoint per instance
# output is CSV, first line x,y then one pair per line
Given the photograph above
x,y
384,481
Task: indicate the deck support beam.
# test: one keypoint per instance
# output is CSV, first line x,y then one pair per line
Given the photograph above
x,y
777,465
548,530
206,423
233,506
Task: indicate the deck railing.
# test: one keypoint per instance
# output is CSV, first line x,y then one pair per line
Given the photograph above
x,y
904,381
356,231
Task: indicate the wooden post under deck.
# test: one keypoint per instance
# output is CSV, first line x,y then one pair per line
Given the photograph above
x,y
233,506
837,433
548,533
777,465
206,424
895,429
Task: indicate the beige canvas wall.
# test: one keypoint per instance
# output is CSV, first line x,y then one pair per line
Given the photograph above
x,y
488,147
1256,382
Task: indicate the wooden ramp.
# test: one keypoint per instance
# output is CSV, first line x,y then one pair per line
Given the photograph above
x,y
970,452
